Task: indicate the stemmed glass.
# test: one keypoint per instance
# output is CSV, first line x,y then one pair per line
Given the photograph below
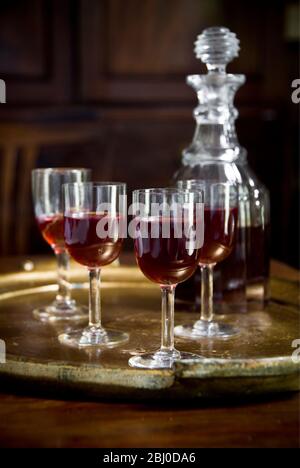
x,y
167,248
94,222
220,223
48,207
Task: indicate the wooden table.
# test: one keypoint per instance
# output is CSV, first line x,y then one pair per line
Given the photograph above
x,y
30,421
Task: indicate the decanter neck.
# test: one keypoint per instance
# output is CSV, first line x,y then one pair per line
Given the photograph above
x,y
215,134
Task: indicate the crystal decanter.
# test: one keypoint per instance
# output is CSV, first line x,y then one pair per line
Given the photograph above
x,y
215,154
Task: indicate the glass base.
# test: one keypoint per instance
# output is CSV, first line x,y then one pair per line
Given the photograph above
x,y
58,312
202,329
92,337
162,360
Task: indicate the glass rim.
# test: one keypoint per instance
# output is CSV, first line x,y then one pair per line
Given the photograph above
x,y
203,182
167,191
162,190
95,184
59,170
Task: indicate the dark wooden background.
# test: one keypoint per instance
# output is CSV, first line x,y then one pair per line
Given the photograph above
x,y
101,83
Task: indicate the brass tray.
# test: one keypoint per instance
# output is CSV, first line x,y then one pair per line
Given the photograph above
x,y
257,361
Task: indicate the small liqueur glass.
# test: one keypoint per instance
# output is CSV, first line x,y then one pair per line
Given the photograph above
x,y
220,224
48,206
94,226
167,248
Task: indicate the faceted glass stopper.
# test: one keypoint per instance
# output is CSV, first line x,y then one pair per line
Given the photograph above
x,y
216,47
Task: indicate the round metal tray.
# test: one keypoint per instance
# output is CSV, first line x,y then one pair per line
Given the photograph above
x,y
257,361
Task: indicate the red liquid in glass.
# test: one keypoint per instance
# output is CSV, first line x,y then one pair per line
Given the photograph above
x,y
219,234
52,229
164,260
83,243
232,276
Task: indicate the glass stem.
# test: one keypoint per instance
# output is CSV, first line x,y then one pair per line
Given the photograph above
x,y
207,292
64,287
94,299
167,332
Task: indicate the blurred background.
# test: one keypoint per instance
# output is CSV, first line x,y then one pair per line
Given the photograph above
x,y
101,83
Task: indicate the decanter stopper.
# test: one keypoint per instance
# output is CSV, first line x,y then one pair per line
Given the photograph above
x,y
216,47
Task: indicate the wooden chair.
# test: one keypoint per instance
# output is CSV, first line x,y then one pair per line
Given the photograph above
x,y
20,146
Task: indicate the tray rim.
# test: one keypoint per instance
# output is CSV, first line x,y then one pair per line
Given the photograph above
x,y
134,379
